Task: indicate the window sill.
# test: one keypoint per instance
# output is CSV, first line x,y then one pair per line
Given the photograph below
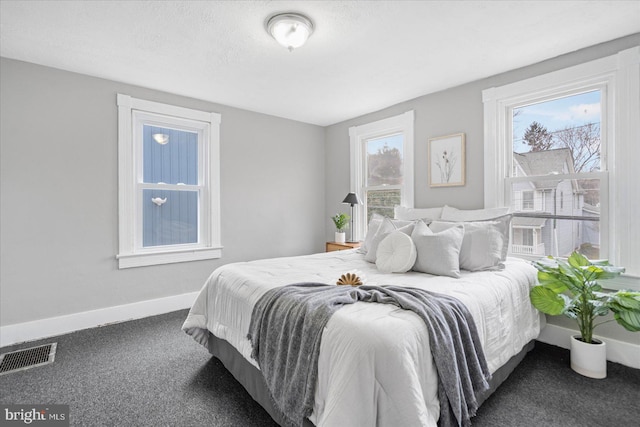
x,y
622,282
169,257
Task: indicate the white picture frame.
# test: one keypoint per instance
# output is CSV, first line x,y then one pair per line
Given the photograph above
x,y
446,159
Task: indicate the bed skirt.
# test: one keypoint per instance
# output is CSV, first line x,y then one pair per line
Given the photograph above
x,y
251,378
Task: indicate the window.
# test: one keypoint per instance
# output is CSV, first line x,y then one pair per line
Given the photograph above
x,y
168,183
523,236
557,145
527,200
383,176
556,151
382,167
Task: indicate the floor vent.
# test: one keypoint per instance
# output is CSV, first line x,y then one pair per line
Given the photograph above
x,y
20,360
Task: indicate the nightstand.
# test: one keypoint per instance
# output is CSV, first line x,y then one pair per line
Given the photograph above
x,y
334,246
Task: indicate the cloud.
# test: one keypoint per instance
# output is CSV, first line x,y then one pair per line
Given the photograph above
x,y
577,112
585,111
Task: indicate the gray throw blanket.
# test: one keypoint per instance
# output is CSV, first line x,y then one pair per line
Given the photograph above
x,y
286,329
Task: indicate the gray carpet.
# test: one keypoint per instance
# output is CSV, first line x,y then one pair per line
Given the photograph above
x,y
149,373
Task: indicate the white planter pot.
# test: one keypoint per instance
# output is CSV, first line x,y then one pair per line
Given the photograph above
x,y
589,360
340,237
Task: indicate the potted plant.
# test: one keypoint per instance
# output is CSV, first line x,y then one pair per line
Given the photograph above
x,y
571,288
342,222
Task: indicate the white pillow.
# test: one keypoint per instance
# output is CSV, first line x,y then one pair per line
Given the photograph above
x,y
453,214
485,243
401,212
396,253
438,253
372,229
387,227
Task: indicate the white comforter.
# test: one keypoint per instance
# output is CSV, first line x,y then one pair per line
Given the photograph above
x,y
375,365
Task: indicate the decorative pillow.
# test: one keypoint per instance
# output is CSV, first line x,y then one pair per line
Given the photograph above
x,y
430,214
485,243
438,253
387,227
396,253
453,214
372,229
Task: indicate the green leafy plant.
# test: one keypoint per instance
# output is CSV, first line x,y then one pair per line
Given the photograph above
x,y
571,288
341,221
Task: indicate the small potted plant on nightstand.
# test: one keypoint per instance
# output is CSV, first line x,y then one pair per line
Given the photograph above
x,y
341,222
571,288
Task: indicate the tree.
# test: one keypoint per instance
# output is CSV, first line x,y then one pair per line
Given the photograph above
x,y
584,144
537,137
385,167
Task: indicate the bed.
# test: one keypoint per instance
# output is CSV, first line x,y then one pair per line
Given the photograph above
x,y
375,365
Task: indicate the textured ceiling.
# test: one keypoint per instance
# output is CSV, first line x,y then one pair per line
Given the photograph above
x,y
363,56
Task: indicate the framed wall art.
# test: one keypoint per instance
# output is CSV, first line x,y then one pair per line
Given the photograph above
x,y
446,160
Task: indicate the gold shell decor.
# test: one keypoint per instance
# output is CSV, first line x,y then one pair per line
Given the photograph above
x,y
349,279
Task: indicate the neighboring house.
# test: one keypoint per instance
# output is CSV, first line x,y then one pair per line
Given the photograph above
x,y
548,236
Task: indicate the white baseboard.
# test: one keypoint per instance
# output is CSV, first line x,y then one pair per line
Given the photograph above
x,y
625,353
44,328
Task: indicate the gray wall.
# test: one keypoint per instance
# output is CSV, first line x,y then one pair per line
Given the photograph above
x,y
454,110
59,194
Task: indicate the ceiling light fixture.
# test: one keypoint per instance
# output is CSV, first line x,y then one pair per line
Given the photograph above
x,y
291,30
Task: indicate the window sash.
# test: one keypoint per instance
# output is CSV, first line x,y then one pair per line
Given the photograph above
x,y
171,162
202,129
366,160
546,215
370,210
376,188
200,194
549,215
170,221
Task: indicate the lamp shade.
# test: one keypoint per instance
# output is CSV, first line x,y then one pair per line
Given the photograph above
x,y
352,199
291,30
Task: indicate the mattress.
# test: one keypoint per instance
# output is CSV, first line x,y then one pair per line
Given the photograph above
x,y
375,365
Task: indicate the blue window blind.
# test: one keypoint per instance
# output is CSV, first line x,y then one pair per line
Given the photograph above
x,y
170,156
173,162
173,221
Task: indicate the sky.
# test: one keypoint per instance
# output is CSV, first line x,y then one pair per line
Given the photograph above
x,y
393,141
557,114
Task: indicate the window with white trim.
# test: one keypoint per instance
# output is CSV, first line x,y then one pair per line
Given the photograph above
x,y
382,167
168,160
578,169
527,200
